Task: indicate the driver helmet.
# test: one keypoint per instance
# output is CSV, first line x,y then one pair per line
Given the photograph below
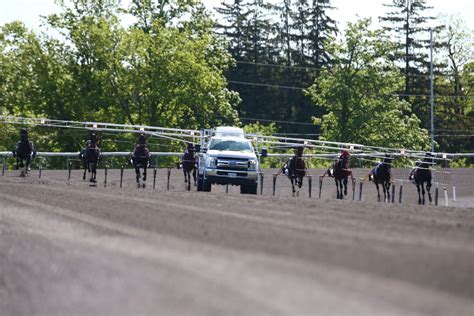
x,y
190,147
141,139
345,154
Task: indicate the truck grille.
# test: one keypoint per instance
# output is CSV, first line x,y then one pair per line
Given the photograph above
x,y
232,163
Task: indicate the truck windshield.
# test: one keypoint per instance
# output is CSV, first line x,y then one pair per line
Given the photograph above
x,y
230,145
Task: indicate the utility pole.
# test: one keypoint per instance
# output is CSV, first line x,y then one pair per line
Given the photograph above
x,y
407,60
431,91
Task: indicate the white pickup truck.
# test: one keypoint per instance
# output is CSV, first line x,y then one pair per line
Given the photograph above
x,y
228,158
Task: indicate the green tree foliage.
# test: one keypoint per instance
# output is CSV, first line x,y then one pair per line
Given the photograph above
x,y
267,130
275,46
166,70
408,23
19,50
358,93
455,112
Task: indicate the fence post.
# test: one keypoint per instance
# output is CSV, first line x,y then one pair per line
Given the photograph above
x,y
168,180
353,188
446,199
310,184
274,182
69,169
360,190
4,165
154,178
320,185
454,193
105,176
393,193
40,167
400,193
121,175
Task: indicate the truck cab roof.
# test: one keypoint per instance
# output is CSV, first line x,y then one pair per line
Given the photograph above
x,y
229,131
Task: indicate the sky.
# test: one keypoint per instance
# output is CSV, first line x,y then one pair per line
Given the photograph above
x,y
29,11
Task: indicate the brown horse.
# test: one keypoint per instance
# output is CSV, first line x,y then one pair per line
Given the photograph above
x,y
141,158
295,169
341,171
24,152
421,174
382,174
188,163
91,156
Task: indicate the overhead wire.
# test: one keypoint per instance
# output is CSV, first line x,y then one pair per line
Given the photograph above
x,y
276,121
322,68
437,96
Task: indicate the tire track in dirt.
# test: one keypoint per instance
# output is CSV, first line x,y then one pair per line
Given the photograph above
x,y
274,230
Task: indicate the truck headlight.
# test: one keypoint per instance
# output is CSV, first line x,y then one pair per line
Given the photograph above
x,y
212,162
253,164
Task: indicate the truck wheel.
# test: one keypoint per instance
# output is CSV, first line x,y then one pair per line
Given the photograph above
x,y
248,188
203,185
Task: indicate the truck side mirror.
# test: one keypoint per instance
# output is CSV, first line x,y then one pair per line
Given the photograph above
x,y
264,152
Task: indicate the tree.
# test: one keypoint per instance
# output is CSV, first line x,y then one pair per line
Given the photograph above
x,y
170,75
232,27
318,29
18,52
359,94
408,24
270,42
454,108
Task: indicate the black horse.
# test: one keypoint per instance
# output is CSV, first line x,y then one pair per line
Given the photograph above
x,y
295,169
382,174
341,171
421,174
141,158
90,156
188,163
24,152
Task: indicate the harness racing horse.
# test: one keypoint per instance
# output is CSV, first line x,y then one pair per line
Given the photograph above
x,y
188,163
341,171
24,152
382,174
421,174
141,158
91,156
295,170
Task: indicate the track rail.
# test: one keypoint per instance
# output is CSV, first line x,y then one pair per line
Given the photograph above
x,y
105,154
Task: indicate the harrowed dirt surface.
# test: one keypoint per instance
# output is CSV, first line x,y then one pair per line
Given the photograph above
x,y
67,248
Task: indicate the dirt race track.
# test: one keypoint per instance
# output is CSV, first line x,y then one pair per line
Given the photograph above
x,y
70,249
